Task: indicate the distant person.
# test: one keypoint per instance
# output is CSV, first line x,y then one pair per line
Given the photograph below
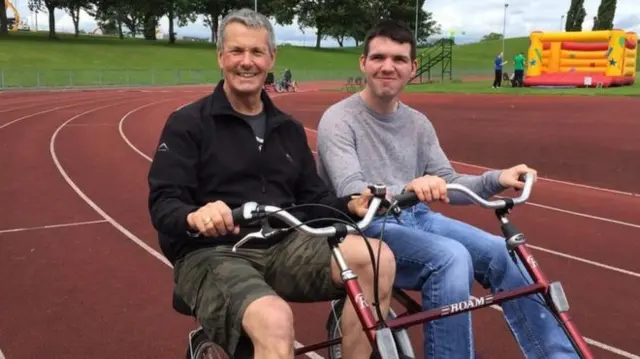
x,y
518,65
498,65
287,80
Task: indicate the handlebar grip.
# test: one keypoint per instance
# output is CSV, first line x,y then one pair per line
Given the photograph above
x,y
406,199
238,215
523,177
244,214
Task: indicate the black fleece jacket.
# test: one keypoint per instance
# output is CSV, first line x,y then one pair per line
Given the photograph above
x,y
205,153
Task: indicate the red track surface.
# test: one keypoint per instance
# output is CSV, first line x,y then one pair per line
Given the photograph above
x,y
88,288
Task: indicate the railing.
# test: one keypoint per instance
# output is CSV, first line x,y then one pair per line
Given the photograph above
x,y
35,78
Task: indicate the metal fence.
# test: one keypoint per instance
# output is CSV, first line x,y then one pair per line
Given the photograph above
x,y
21,79
44,79
34,79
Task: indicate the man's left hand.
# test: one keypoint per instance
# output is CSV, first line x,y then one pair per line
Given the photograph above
x,y
360,205
509,177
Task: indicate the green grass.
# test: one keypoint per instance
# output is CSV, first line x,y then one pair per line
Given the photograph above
x,y
30,59
484,87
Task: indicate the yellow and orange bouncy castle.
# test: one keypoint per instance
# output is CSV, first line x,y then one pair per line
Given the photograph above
x,y
586,58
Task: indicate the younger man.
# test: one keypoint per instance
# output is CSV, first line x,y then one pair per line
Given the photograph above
x,y
371,137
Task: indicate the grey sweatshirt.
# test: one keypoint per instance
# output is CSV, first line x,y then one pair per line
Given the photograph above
x,y
358,147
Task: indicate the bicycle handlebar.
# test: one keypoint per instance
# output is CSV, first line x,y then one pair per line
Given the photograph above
x,y
252,211
409,199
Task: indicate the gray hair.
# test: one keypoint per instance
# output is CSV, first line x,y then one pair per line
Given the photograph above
x,y
248,18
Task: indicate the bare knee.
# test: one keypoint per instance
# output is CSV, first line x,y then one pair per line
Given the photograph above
x,y
358,258
269,323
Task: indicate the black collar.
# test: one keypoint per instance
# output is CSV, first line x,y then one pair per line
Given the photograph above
x,y
222,106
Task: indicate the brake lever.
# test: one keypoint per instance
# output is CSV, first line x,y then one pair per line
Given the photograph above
x,y
259,234
265,232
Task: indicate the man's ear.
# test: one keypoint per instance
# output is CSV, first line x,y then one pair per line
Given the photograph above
x,y
273,59
219,56
363,62
414,67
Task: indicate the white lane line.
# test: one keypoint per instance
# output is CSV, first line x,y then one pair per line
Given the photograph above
x,y
121,125
50,226
58,108
579,214
586,261
84,197
567,183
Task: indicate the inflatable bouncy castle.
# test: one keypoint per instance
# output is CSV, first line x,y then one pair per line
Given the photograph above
x,y
582,59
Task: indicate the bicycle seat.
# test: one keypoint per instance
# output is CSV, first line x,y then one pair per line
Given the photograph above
x,y
180,305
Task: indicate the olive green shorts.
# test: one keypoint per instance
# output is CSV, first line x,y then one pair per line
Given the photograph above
x,y
218,285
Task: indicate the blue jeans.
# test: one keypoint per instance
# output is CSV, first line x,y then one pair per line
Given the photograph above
x,y
441,257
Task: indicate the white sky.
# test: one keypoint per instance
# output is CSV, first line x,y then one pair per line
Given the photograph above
x,y
523,16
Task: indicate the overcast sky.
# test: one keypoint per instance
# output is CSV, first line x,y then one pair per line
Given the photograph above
x,y
470,19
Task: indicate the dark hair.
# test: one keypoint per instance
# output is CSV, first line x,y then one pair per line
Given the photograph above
x,y
395,30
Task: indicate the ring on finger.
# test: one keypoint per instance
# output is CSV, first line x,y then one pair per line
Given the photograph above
x,y
207,220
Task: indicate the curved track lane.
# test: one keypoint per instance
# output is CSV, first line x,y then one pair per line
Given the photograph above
x,y
84,281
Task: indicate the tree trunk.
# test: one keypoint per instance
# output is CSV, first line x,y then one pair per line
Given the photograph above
x,y
52,21
4,22
75,17
172,35
318,38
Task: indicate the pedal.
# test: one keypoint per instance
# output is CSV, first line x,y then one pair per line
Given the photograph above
x,y
558,297
386,344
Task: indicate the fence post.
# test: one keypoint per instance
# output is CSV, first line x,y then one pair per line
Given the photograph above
x,y
2,78
70,78
38,84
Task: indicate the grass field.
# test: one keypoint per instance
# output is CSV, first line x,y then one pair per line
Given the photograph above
x,y
485,87
30,59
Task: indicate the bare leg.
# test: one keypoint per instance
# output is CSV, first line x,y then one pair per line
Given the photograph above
x,y
269,323
355,344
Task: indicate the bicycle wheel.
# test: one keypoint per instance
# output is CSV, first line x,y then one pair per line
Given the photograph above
x,y
403,343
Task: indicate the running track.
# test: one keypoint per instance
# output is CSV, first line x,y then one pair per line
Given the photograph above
x,y
80,271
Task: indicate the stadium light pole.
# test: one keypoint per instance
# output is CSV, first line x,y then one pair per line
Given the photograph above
x,y
562,23
255,5
504,25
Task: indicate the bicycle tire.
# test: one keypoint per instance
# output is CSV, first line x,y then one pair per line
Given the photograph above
x,y
401,336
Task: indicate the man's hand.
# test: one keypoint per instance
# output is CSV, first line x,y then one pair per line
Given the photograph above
x,y
509,177
429,189
360,205
212,220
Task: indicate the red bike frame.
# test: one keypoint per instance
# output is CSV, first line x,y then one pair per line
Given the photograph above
x,y
415,315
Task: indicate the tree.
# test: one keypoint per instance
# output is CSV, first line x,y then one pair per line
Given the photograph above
x,y
4,22
575,16
73,7
491,36
50,5
606,13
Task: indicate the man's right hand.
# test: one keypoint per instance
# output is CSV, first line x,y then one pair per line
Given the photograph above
x,y
212,220
429,189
